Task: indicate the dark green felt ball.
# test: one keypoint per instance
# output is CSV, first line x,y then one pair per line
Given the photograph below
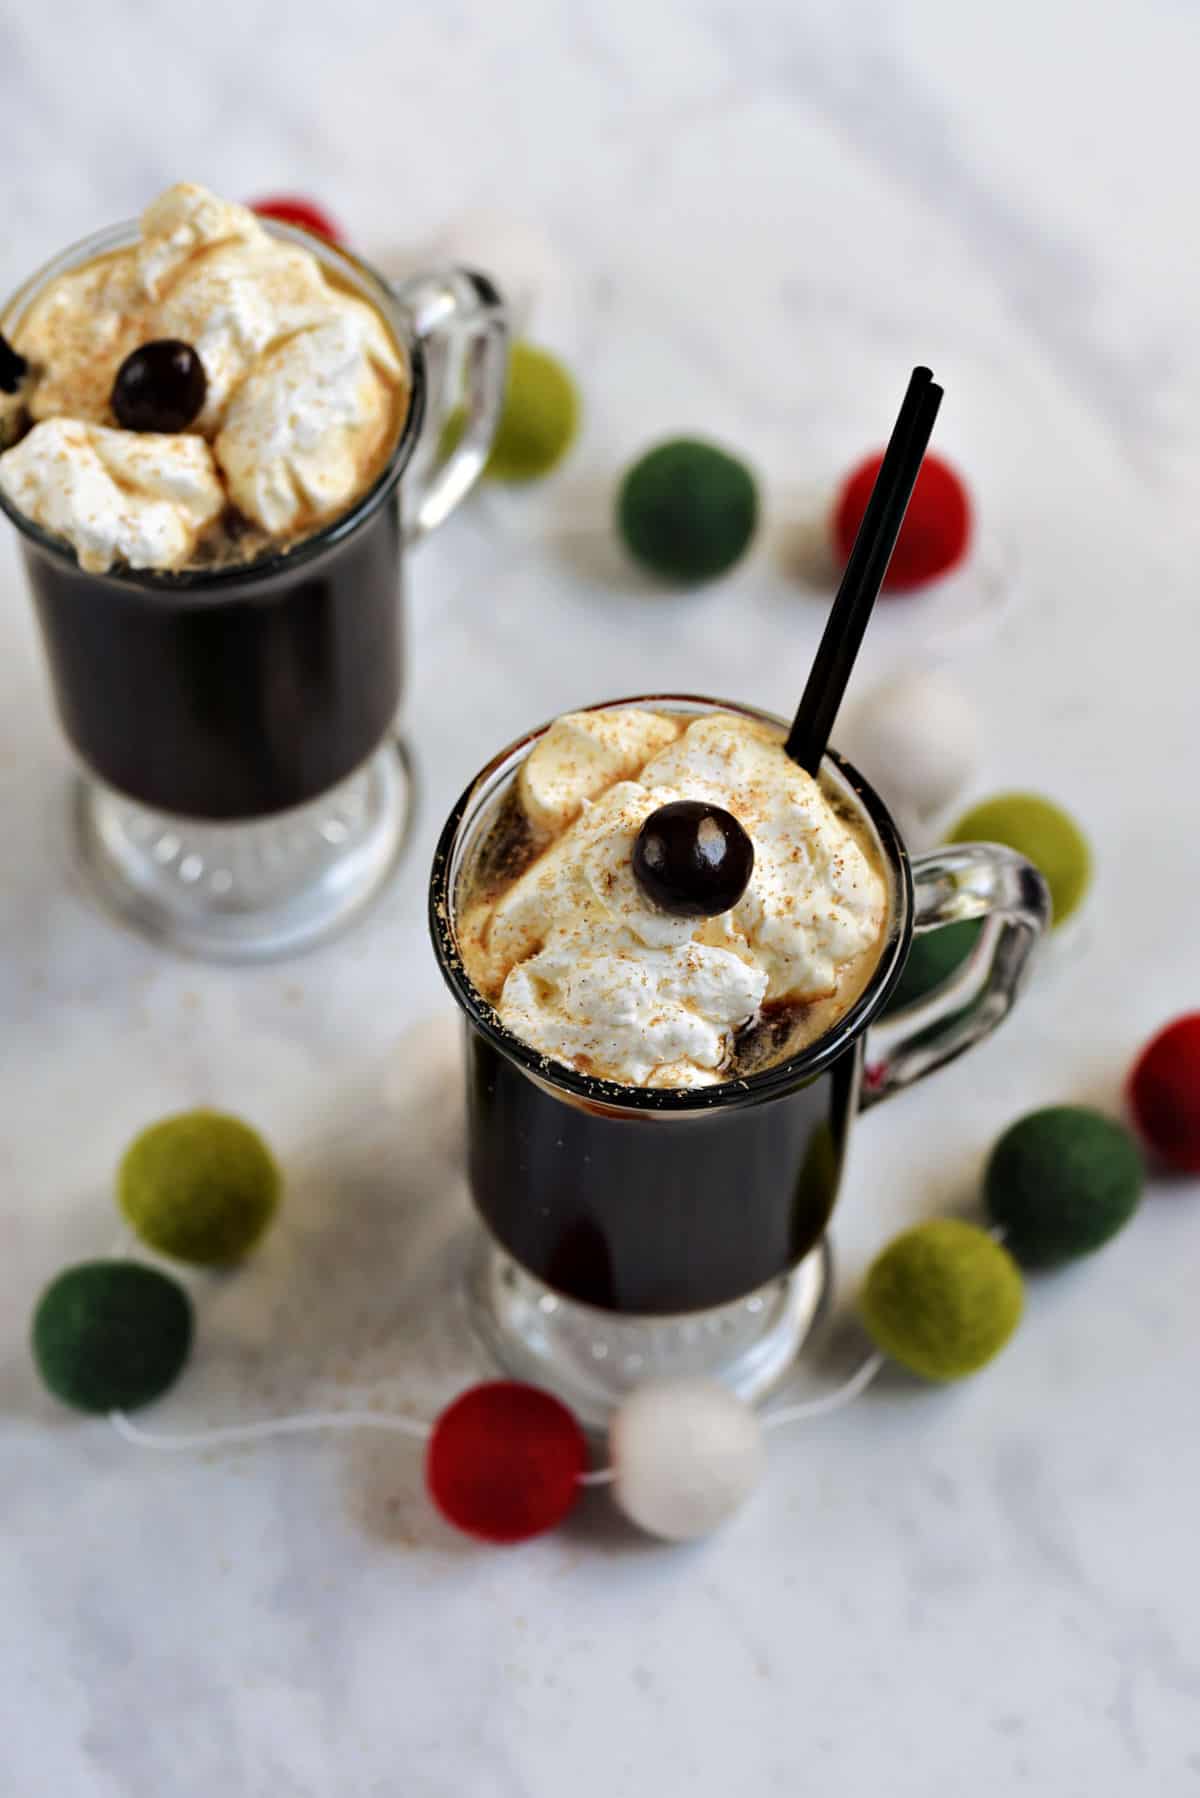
x,y
687,510
934,956
942,1299
200,1187
1060,1182
110,1335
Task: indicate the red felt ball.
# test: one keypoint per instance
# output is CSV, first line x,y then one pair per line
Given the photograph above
x,y
293,209
504,1462
1164,1093
936,528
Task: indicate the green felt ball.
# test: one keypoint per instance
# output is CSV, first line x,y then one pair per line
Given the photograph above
x,y
539,421
1042,832
201,1187
1061,1182
942,1299
687,510
934,956
540,417
110,1335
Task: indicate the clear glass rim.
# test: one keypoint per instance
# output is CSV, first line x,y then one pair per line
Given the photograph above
x,y
611,1095
220,582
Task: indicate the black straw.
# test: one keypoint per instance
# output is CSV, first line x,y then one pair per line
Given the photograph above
x,y
863,577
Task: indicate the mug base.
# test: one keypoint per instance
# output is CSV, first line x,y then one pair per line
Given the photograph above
x,y
250,890
593,1359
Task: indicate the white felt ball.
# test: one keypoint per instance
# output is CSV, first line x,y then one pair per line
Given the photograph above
x,y
916,737
686,1454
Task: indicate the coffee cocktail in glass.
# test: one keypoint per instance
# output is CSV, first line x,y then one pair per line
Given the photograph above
x,y
672,1221
220,601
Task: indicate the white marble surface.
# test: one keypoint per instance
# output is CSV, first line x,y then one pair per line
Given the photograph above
x,y
768,213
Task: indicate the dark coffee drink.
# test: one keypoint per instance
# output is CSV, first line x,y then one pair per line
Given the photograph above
x,y
661,1210
660,1214
205,421
233,697
660,1094
200,419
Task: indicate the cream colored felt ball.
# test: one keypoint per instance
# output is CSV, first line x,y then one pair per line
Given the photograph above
x,y
916,737
686,1455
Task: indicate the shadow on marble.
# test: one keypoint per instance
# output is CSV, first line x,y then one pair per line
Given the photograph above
x,y
594,554
23,1399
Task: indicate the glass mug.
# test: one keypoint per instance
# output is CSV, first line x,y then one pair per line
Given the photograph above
x,y
243,792
636,1232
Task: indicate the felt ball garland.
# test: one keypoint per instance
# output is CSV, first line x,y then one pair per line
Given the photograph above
x,y
506,1462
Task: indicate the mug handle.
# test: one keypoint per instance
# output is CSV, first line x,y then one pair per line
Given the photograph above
x,y
967,880
460,305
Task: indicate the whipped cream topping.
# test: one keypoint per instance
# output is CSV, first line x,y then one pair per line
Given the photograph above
x,y
76,335
583,967
305,387
117,495
580,755
182,222
314,413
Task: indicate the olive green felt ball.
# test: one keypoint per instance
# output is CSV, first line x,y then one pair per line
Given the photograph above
x,y
942,1299
1061,1182
201,1187
539,421
1042,832
540,417
934,956
687,510
110,1335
